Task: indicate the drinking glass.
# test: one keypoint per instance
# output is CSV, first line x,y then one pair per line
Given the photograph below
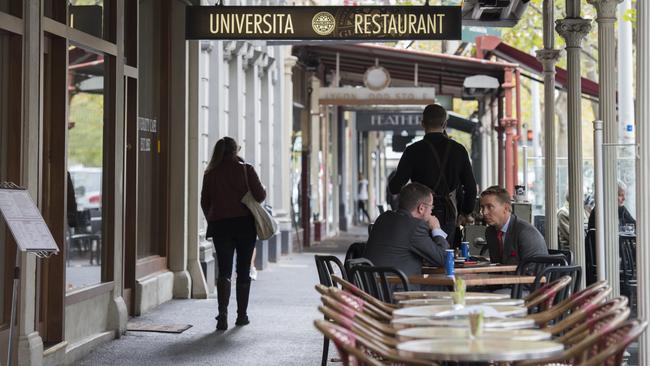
x,y
475,324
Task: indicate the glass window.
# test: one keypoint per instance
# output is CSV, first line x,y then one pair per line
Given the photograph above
x,y
13,7
85,167
150,195
89,16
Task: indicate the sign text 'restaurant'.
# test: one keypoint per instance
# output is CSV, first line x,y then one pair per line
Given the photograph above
x,y
323,22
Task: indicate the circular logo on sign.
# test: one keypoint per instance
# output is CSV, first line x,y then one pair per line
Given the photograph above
x,y
323,23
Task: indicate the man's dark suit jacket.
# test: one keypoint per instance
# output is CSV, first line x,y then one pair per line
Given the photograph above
x,y
522,241
401,241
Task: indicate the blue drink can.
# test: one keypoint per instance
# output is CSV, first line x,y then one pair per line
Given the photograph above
x,y
449,262
464,249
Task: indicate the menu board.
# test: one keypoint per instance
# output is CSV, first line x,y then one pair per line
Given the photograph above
x,y
25,221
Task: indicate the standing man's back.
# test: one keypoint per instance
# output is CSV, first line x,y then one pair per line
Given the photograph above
x,y
443,165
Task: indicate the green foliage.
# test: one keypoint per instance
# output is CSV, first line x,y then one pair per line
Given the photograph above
x,y
85,140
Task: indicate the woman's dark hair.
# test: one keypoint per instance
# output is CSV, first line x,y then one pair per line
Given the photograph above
x,y
225,147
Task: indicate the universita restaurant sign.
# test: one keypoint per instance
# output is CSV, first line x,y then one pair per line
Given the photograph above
x,y
324,22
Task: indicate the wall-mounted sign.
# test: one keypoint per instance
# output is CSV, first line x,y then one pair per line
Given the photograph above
x,y
324,22
359,96
389,120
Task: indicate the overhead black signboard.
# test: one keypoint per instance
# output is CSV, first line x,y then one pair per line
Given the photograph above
x,y
324,22
389,120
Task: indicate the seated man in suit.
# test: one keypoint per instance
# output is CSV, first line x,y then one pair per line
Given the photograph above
x,y
510,240
404,238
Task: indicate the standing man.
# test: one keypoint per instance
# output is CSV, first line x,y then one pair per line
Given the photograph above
x,y
443,165
362,198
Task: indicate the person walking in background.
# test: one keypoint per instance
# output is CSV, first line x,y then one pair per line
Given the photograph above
x,y
362,198
230,223
443,165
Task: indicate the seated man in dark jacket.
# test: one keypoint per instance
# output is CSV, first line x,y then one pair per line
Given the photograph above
x,y
510,240
404,238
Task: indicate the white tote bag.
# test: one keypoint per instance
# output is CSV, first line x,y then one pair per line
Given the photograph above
x,y
265,224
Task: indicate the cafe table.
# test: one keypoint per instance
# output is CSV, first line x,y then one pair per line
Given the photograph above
x,y
507,323
479,349
449,301
448,311
408,295
479,279
472,269
415,333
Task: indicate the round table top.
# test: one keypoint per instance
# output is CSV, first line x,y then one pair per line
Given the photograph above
x,y
480,349
508,323
444,301
409,334
448,311
407,295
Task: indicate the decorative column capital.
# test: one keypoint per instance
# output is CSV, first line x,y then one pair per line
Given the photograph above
x,y
289,63
573,30
548,58
606,9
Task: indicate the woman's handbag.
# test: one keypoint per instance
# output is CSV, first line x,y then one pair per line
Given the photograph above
x,y
265,224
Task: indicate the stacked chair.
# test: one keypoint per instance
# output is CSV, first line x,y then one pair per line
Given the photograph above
x,y
594,330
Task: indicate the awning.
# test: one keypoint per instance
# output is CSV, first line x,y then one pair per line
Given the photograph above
x,y
444,72
494,45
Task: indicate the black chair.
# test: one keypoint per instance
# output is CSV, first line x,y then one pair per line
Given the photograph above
x,y
628,270
591,269
355,250
553,273
374,280
565,252
351,263
326,266
534,266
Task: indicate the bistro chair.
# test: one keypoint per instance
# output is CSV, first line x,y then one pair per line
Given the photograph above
x,y
605,347
353,314
591,269
566,328
356,350
616,342
532,267
326,265
358,327
374,280
568,255
550,274
595,295
544,297
594,324
355,250
354,290
359,304
628,270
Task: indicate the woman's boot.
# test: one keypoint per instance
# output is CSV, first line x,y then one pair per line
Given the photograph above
x,y
243,290
223,297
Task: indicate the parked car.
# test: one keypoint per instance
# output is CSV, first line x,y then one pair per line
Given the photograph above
x,y
87,182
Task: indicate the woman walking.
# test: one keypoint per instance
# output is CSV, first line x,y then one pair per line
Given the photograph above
x,y
230,223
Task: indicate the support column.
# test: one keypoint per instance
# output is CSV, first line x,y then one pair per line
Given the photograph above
x,y
30,344
574,29
606,10
195,172
643,170
236,90
267,126
217,95
508,123
549,57
283,140
251,146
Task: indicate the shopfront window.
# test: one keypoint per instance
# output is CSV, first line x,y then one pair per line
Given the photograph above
x,y
87,16
13,7
85,167
150,234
